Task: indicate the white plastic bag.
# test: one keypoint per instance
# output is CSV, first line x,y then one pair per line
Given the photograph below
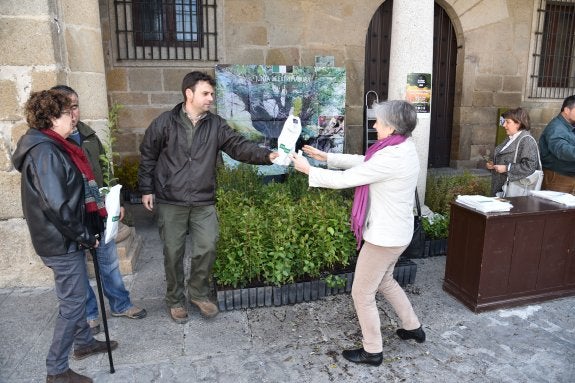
x,y
113,209
287,140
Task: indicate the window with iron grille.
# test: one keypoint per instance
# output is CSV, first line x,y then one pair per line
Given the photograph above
x,y
166,30
553,73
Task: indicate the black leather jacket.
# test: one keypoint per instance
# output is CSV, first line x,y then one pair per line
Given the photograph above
x,y
182,175
52,196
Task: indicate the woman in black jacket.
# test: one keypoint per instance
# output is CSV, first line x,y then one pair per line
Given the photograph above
x,y
63,209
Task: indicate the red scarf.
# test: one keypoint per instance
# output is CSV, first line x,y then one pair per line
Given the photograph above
x,y
359,207
92,198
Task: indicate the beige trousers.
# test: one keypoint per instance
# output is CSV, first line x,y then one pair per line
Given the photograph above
x,y
373,273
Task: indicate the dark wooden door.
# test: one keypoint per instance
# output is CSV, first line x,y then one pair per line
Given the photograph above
x,y
377,45
377,49
443,89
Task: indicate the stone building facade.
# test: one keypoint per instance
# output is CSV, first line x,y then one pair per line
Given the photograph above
x,y
75,42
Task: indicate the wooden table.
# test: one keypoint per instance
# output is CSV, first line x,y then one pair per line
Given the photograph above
x,y
499,260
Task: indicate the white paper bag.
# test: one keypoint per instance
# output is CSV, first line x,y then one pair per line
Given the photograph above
x,y
113,209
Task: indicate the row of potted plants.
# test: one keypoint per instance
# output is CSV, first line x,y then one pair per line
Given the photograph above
x,y
244,183
274,234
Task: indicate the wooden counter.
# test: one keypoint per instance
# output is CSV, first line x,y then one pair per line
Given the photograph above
x,y
499,260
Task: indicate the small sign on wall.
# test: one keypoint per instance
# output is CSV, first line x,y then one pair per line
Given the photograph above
x,y
418,91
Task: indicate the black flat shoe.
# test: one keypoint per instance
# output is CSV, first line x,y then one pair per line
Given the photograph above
x,y
418,335
362,356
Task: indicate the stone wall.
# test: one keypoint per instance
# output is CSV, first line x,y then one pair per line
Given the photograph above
x,y
494,58
267,32
494,39
43,43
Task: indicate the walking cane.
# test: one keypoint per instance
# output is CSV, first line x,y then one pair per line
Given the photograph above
x,y
102,308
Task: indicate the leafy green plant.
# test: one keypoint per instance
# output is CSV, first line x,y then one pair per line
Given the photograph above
x,y
126,173
441,190
335,281
436,226
107,159
277,233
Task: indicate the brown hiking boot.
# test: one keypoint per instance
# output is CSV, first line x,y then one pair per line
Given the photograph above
x,y
133,312
207,308
95,348
178,314
68,377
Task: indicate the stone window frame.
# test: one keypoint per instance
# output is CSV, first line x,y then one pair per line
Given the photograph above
x,y
131,45
553,56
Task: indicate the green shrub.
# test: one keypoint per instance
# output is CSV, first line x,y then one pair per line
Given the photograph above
x,y
277,233
441,190
436,227
108,141
127,173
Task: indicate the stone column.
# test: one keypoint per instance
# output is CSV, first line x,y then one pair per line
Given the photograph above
x,y
412,52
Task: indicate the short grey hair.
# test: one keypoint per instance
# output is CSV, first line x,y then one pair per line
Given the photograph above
x,y
400,115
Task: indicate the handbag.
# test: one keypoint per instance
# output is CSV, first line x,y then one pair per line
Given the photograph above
x,y
523,186
417,244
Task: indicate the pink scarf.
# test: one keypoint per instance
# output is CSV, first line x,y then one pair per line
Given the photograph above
x,y
361,192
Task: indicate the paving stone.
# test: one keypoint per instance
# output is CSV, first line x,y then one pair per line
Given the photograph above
x,y
297,342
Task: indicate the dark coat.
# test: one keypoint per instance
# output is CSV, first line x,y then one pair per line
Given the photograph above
x,y
527,160
94,150
52,192
181,175
557,146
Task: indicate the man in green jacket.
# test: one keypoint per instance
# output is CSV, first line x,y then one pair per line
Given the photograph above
x,y
178,166
557,147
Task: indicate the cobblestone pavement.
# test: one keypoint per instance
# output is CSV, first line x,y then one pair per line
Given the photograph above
x,y
299,343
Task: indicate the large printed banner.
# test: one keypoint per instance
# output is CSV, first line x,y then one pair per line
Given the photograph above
x,y
256,100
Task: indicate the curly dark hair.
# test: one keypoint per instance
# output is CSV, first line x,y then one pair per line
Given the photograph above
x,y
43,106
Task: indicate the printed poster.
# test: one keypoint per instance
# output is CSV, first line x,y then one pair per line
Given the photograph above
x,y
257,99
418,91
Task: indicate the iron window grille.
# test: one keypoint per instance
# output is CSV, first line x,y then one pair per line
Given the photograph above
x,y
553,73
166,30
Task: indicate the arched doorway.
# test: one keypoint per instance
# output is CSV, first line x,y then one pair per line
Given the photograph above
x,y
443,89
377,47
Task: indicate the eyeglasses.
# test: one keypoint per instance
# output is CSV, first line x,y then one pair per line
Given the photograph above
x,y
67,112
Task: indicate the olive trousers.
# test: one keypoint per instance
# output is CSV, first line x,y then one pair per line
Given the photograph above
x,y
174,224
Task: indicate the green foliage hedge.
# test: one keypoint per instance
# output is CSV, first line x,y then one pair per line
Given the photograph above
x,y
277,233
441,190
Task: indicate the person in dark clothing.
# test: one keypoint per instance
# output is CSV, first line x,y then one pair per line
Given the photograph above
x,y
178,165
63,211
112,283
557,148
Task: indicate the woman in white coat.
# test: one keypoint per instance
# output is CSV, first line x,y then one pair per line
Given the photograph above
x,y
382,216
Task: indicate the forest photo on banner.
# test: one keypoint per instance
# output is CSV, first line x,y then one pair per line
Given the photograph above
x,y
256,100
